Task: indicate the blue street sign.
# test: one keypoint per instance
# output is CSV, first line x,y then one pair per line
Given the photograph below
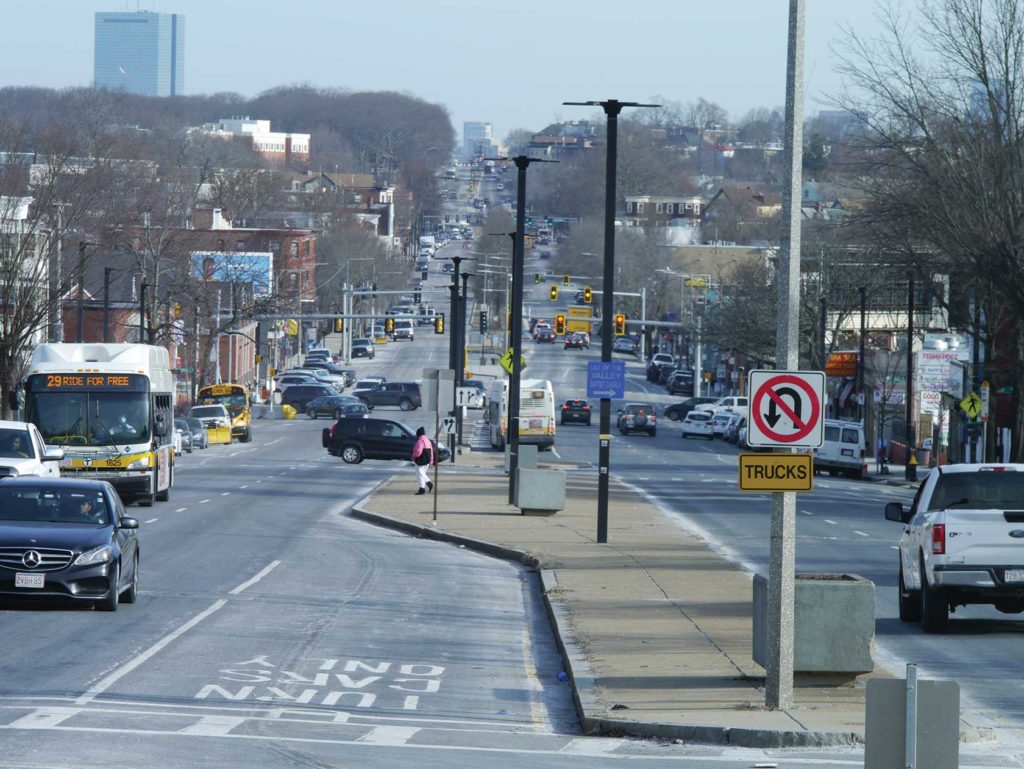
x,y
606,380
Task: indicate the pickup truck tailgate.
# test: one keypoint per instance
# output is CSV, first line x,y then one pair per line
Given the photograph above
x,y
984,537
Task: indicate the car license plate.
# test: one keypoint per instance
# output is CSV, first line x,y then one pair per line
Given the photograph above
x,y
29,580
1013,575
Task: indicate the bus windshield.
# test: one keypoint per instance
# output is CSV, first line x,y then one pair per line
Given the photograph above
x,y
91,418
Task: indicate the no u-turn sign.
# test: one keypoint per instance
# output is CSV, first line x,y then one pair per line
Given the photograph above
x,y
785,408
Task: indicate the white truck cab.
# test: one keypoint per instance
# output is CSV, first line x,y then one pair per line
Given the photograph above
x,y
962,543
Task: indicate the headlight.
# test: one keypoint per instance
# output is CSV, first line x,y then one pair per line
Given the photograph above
x,y
139,464
100,554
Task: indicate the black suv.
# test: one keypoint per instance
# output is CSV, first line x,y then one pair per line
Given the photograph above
x,y
680,381
357,439
405,395
298,395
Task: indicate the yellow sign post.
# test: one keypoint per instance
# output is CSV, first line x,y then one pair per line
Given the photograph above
x,y
776,472
506,362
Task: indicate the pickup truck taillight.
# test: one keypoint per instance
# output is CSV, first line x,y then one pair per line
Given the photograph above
x,y
939,539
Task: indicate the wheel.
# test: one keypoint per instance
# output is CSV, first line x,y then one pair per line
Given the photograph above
x,y
146,501
934,608
113,596
624,431
588,423
652,433
910,602
337,413
165,495
561,421
405,404
311,414
673,415
246,436
131,593
351,455
686,435
188,450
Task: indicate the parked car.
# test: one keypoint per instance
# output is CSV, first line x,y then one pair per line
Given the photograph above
x,y
655,363
575,410
638,417
363,348
372,438
23,452
732,430
298,395
729,403
200,438
183,437
719,421
698,423
332,406
961,543
67,538
405,395
678,411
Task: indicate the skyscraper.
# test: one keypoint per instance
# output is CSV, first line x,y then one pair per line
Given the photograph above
x,y
142,52
476,139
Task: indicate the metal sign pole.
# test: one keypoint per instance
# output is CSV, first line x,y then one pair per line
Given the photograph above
x,y
781,572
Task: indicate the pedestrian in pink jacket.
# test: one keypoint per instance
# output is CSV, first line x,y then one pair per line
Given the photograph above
x,y
423,458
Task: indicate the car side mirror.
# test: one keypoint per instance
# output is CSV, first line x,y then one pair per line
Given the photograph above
x,y
894,512
128,522
54,454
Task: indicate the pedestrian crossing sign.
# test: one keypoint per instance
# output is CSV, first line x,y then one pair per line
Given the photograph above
x,y
971,405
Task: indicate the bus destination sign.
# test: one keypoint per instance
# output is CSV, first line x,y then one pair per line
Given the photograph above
x,y
88,381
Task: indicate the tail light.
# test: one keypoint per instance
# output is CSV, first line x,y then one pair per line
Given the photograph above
x,y
939,539
586,408
565,407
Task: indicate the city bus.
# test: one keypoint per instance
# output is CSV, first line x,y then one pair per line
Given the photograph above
x,y
111,408
536,413
235,398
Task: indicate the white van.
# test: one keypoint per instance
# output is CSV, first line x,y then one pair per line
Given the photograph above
x,y
404,329
842,450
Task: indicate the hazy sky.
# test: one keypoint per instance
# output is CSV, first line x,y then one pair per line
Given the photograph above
x,y
509,63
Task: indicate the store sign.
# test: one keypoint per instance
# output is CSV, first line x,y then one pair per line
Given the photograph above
x,y
841,364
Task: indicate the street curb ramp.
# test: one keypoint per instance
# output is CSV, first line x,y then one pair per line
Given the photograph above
x,y
578,667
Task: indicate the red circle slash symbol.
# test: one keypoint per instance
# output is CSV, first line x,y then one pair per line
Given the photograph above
x,y
775,390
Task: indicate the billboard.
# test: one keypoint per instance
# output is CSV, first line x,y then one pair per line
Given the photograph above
x,y
255,268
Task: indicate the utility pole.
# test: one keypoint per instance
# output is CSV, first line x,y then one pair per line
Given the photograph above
x,y
142,312
910,474
106,303
612,108
460,371
782,555
860,358
80,320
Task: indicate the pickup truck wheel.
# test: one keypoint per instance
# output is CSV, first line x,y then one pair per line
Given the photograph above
x,y
934,608
910,602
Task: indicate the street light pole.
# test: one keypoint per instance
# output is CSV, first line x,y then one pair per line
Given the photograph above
x,y
612,108
106,303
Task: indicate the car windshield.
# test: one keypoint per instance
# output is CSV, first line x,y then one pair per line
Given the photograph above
x,y
45,505
15,443
987,490
207,412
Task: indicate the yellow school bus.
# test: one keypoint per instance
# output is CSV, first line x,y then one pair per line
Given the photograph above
x,y
235,398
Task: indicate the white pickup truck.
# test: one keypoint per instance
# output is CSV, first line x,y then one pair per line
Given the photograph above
x,y
962,543
23,452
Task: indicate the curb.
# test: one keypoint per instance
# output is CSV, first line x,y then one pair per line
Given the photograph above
x,y
578,667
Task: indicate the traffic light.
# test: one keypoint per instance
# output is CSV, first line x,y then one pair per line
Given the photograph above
x,y
439,324
536,277
339,325
620,324
483,321
554,293
559,324
177,310
588,295
417,296
565,280
389,326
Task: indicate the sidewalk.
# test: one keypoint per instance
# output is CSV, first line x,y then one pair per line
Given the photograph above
x,y
896,475
655,626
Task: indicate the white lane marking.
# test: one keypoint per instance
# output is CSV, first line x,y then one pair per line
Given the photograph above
x,y
861,533
389,735
244,486
105,683
213,726
806,512
203,501
224,493
678,480
181,510
894,547
591,746
253,580
829,520
555,452
152,520
43,718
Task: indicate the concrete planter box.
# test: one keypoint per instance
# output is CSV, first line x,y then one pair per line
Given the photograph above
x,y
833,623
539,491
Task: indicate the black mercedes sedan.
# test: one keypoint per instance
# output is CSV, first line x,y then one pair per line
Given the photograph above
x,y
67,538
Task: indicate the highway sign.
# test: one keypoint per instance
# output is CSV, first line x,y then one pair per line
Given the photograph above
x,y
972,405
448,425
776,472
785,408
506,361
606,379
